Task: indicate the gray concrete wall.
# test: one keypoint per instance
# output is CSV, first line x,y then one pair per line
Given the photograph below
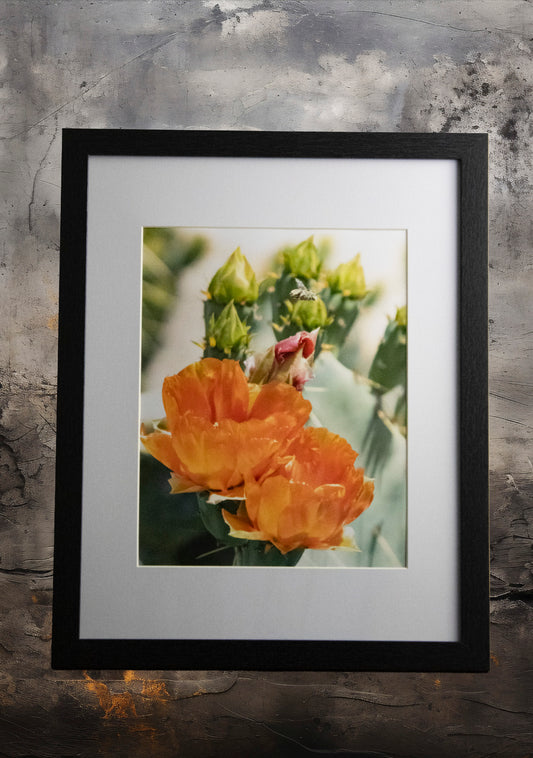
x,y
374,65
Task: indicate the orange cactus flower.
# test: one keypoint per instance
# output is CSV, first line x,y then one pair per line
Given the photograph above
x,y
220,429
309,499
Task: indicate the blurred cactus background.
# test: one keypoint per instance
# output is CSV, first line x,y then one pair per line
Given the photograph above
x,y
225,292
165,255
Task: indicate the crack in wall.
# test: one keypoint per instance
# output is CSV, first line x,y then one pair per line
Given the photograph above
x,y
36,176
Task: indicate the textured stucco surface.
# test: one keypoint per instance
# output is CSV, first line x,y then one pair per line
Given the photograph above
x,y
375,65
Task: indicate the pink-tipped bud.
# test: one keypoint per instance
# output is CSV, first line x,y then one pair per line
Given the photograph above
x,y
288,361
306,341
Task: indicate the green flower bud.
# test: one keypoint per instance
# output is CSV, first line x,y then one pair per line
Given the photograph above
x,y
235,280
227,333
308,314
401,316
303,260
348,279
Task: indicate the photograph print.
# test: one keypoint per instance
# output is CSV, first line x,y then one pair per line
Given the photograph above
x,y
273,398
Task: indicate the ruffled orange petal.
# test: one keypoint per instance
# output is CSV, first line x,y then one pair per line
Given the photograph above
x,y
268,502
220,455
240,526
257,442
206,455
363,500
297,524
223,429
321,456
312,495
229,392
180,484
160,446
277,397
209,389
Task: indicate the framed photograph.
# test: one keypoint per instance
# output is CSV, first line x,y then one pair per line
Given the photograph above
x,y
272,447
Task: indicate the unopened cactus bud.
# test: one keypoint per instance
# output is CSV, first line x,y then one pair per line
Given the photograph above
x,y
401,316
288,361
226,334
348,279
303,260
235,280
308,314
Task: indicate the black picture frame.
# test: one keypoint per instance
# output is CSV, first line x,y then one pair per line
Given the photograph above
x,y
471,652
